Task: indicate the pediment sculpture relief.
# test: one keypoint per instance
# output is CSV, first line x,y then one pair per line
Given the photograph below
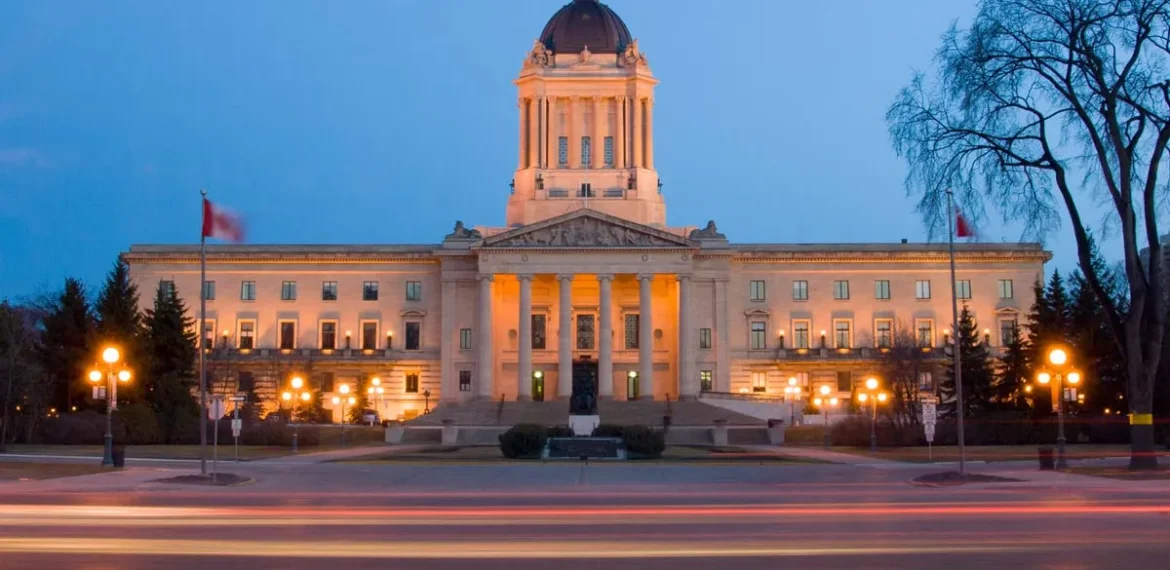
x,y
632,56
586,232
540,56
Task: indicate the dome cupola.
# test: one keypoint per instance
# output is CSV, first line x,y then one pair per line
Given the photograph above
x,y
585,23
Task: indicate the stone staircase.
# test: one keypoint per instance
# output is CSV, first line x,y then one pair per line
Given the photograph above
x,y
484,413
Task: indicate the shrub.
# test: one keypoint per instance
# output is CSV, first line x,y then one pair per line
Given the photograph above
x,y
523,441
804,435
607,430
136,424
81,428
643,441
560,431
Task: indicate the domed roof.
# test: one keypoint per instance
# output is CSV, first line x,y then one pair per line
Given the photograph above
x,y
585,23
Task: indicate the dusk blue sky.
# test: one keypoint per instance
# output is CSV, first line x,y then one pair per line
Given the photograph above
x,y
385,121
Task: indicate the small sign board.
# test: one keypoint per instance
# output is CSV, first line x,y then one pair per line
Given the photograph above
x,y
237,426
929,432
216,408
99,392
239,398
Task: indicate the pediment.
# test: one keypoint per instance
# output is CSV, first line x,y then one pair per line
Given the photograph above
x,y
587,229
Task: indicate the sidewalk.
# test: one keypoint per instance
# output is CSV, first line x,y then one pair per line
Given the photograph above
x,y
810,453
311,458
127,479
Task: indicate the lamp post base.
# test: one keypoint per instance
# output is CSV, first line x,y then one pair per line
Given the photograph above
x,y
108,454
1061,463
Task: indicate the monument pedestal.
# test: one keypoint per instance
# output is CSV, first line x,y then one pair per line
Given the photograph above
x,y
583,426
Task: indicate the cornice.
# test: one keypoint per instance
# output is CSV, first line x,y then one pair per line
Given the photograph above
x,y
890,257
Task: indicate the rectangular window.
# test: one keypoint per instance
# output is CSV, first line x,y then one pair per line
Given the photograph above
x,y
802,378
759,381
705,338
464,339
584,332
209,290
881,290
925,330
844,381
1007,331
245,382
328,335
705,382
922,289
414,290
412,383
166,289
288,291
883,333
800,290
1006,289
464,380
288,335
248,291
370,291
631,332
413,335
925,382
756,291
247,335
209,334
586,190
609,152
759,332
329,291
586,152
369,335
841,290
563,152
539,332
800,334
963,289
843,333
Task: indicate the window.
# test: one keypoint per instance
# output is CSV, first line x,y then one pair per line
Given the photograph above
x,y
288,291
369,335
609,152
705,338
323,381
800,290
963,289
412,383
563,152
705,383
586,190
759,381
370,291
414,290
209,290
632,332
756,290
925,382
844,381
800,334
209,334
759,333
922,289
925,336
329,291
539,332
1006,290
465,380
245,382
881,290
843,333
288,335
586,151
1007,331
841,290
801,378
584,332
413,335
328,335
465,338
166,289
248,291
883,333
247,335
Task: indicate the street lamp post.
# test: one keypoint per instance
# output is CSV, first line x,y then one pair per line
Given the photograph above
x,y
343,400
874,397
110,356
295,393
376,391
792,394
1058,359
824,402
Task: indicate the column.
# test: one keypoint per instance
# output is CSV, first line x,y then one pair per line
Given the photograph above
x,y
723,329
688,381
542,137
623,108
646,337
448,388
524,365
571,132
533,131
521,154
605,338
649,133
550,136
486,361
637,134
565,337
600,118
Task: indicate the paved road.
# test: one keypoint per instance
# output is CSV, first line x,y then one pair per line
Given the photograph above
x,y
569,517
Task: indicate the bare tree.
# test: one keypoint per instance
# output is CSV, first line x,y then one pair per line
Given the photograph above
x,y
903,365
1035,95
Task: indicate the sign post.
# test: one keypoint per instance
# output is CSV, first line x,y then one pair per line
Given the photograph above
x,y
929,419
215,411
237,423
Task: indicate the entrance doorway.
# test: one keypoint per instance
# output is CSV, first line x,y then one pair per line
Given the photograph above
x,y
538,386
633,388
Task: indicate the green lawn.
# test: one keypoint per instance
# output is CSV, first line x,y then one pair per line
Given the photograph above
x,y
491,454
247,452
988,452
18,470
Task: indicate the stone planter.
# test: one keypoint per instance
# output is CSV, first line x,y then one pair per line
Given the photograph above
x,y
776,430
450,432
394,433
719,433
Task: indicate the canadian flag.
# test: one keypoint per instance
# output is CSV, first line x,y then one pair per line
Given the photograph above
x,y
963,228
221,223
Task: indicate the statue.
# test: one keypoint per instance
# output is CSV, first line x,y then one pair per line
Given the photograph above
x,y
540,56
631,57
585,55
709,232
461,232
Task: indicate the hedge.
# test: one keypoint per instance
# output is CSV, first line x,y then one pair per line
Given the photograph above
x,y
995,429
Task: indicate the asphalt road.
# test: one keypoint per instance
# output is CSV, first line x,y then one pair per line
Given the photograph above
x,y
438,517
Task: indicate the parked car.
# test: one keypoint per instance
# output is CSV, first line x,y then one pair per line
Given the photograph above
x,y
370,417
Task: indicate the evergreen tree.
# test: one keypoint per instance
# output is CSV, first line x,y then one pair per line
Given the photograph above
x,y
1013,375
1048,322
170,341
1095,354
66,354
978,377
118,322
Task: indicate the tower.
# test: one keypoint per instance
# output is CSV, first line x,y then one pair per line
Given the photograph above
x,y
586,118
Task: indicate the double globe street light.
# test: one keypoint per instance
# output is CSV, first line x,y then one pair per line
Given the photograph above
x,y
296,392
111,356
824,402
1060,363
343,400
874,397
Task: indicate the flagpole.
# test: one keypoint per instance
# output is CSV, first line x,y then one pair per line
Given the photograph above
x,y
958,359
203,334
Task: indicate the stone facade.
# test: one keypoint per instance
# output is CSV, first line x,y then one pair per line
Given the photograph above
x,y
586,268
